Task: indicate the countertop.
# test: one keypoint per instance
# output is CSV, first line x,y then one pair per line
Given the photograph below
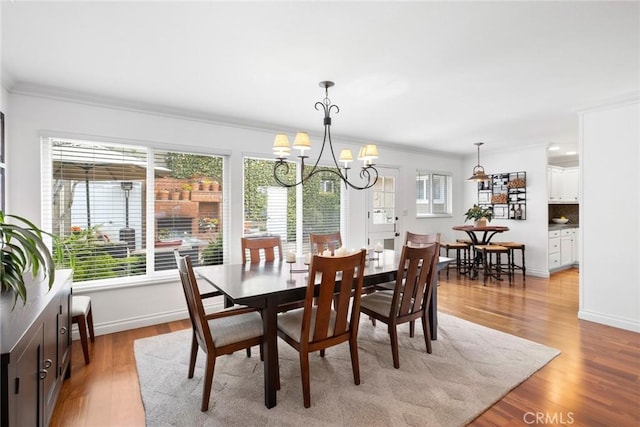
x,y
553,226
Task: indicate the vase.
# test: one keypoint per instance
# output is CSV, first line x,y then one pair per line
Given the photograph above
x,y
482,222
175,195
163,195
184,194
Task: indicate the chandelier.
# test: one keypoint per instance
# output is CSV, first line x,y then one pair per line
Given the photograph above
x,y
478,171
367,153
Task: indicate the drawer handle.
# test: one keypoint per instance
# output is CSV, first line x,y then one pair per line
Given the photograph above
x,y
48,363
63,330
43,374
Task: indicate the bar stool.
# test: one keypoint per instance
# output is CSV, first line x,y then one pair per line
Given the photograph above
x,y
463,256
514,246
82,315
494,269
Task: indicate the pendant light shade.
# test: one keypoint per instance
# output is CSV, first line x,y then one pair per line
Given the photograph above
x,y
478,171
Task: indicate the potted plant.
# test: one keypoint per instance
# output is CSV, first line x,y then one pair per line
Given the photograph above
x,y
174,194
480,215
163,194
186,189
215,185
23,250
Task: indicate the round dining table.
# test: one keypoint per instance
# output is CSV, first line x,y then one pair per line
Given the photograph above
x,y
486,233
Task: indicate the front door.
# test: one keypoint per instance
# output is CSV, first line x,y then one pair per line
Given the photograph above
x,y
382,212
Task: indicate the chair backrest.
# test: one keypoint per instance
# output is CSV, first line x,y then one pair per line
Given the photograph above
x,y
413,239
349,270
194,303
320,242
413,292
265,244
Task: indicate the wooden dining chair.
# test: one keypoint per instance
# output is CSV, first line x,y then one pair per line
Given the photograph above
x,y
321,242
260,248
414,239
410,298
218,333
318,325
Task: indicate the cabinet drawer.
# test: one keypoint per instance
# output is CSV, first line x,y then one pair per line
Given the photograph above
x,y
554,261
554,245
554,233
567,232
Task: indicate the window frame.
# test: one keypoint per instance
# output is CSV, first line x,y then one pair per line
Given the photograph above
x,y
157,276
445,188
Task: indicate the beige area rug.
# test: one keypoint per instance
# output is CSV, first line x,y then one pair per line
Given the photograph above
x,y
470,369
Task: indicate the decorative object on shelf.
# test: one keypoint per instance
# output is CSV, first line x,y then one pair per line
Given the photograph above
x,y
478,171
163,194
215,185
480,215
23,250
186,190
368,153
561,220
175,194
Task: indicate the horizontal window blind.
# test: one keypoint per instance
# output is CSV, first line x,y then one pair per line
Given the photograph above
x,y
121,210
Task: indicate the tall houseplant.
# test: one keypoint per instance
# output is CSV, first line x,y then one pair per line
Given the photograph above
x,y
22,250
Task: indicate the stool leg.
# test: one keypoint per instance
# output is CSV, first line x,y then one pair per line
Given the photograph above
x,y
485,261
447,250
524,269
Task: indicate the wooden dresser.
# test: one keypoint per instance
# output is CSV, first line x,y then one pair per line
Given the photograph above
x,y
35,343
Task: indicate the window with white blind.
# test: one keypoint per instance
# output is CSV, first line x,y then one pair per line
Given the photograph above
x,y
122,210
291,213
433,194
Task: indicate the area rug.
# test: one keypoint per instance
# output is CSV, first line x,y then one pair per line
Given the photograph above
x,y
470,369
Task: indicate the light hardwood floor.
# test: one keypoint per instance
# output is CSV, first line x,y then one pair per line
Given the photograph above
x,y
595,381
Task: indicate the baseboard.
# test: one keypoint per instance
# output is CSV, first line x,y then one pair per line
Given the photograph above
x,y
616,322
141,321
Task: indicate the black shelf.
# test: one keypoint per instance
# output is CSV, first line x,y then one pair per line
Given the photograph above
x,y
506,193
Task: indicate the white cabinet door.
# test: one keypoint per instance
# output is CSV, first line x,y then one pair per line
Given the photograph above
x,y
576,251
571,184
555,182
566,250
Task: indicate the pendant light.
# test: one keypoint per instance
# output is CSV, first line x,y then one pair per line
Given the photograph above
x,y
478,171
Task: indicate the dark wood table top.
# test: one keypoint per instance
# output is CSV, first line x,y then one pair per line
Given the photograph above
x,y
484,228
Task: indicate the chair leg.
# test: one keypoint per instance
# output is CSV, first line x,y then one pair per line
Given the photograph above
x,y
248,351
194,355
90,324
393,336
427,331
322,352
82,329
355,362
208,382
304,370
412,328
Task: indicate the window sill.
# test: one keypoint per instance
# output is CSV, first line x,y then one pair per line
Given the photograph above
x,y
128,282
434,216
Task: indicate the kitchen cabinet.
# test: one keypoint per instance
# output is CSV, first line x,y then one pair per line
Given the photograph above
x,y
563,184
563,248
35,352
554,249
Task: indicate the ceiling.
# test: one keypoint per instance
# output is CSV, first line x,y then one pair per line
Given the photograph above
x,y
435,75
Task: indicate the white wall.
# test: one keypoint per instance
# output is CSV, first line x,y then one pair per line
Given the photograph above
x,y
609,219
532,231
121,308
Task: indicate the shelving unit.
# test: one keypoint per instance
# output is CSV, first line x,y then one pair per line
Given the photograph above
x,y
506,193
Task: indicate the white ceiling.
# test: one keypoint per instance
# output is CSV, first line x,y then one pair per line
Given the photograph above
x,y
437,75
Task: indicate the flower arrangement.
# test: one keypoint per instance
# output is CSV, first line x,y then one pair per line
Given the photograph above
x,y
477,212
187,187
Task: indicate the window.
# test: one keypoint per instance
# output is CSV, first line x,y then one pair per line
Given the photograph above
x,y
123,209
433,194
291,213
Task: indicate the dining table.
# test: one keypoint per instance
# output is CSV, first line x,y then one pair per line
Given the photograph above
x,y
479,235
266,285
